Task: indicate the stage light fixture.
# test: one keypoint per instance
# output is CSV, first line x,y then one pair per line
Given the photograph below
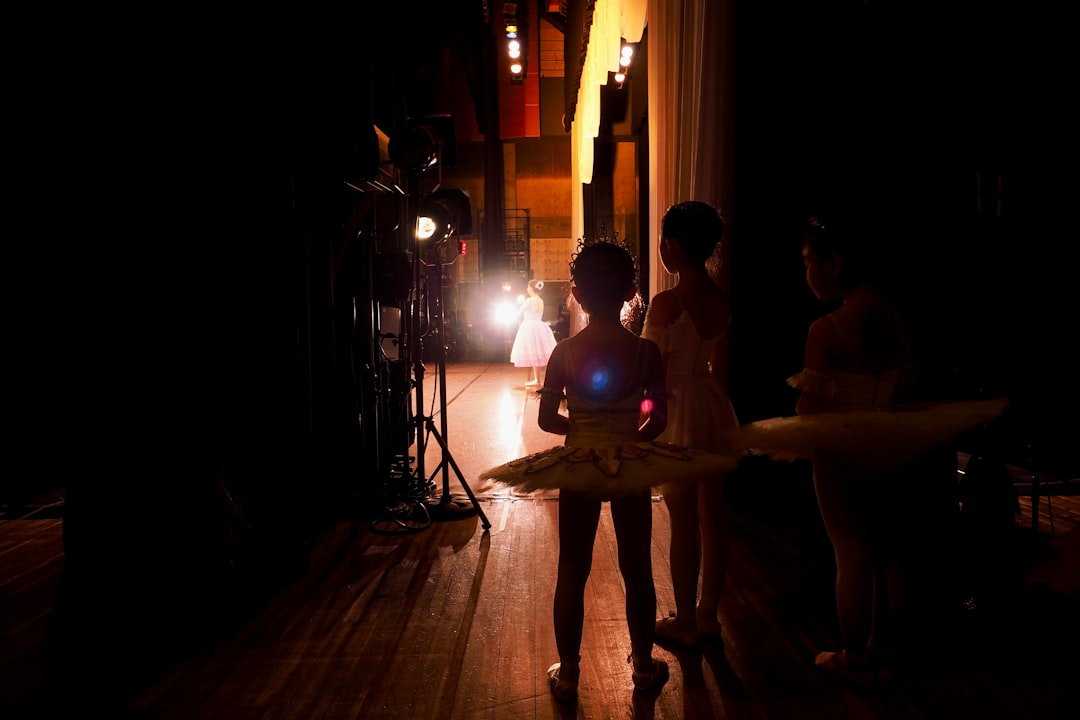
x,y
626,56
432,222
414,150
517,68
443,213
515,48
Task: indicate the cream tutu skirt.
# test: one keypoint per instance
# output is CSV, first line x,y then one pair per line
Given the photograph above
x,y
872,439
607,472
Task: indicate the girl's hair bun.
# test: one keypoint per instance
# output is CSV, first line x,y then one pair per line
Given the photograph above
x,y
539,284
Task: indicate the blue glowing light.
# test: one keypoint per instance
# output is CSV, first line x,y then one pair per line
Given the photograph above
x,y
600,380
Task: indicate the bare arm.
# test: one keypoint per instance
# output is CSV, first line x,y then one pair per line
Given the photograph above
x,y
555,381
656,411
819,340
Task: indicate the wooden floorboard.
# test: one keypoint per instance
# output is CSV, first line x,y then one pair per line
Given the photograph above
x,y
451,622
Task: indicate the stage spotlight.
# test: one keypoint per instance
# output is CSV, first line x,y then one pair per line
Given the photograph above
x,y
433,222
515,42
454,204
423,143
626,57
414,150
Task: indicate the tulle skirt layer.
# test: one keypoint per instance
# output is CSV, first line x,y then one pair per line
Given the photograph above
x,y
607,472
532,345
872,439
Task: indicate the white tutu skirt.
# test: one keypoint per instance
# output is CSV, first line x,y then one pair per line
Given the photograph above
x,y
607,472
870,439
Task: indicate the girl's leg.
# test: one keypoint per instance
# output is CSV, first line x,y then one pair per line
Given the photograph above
x,y
846,511
685,558
632,518
715,553
579,516
891,617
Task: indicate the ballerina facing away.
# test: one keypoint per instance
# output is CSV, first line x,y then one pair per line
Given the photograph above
x,y
534,340
613,385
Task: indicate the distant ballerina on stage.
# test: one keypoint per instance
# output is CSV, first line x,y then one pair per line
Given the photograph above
x,y
535,339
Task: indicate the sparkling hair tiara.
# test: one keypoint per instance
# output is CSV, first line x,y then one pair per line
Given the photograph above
x,y
603,237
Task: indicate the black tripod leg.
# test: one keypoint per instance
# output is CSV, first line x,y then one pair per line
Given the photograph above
x,y
461,478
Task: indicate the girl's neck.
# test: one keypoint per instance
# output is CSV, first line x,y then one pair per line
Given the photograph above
x,y
695,276
605,318
857,294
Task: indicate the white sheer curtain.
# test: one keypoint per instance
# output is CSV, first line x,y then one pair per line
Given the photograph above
x,y
691,65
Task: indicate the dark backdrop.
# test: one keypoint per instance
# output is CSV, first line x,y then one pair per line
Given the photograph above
x,y
889,115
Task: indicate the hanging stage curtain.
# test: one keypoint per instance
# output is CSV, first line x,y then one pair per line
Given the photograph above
x,y
691,70
691,66
611,22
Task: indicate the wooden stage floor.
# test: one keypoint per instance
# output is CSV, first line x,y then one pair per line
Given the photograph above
x,y
449,620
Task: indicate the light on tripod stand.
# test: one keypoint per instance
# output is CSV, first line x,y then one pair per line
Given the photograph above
x,y
443,213
433,222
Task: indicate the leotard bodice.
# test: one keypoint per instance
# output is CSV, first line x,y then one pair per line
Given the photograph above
x,y
699,409
604,423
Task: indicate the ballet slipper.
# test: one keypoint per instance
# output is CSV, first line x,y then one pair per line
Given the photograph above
x,y
668,632
562,688
865,675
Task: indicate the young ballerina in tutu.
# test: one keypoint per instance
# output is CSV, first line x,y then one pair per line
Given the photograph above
x,y
689,323
613,385
858,442
534,340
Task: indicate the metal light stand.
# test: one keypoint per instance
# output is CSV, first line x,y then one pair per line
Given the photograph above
x,y
446,508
